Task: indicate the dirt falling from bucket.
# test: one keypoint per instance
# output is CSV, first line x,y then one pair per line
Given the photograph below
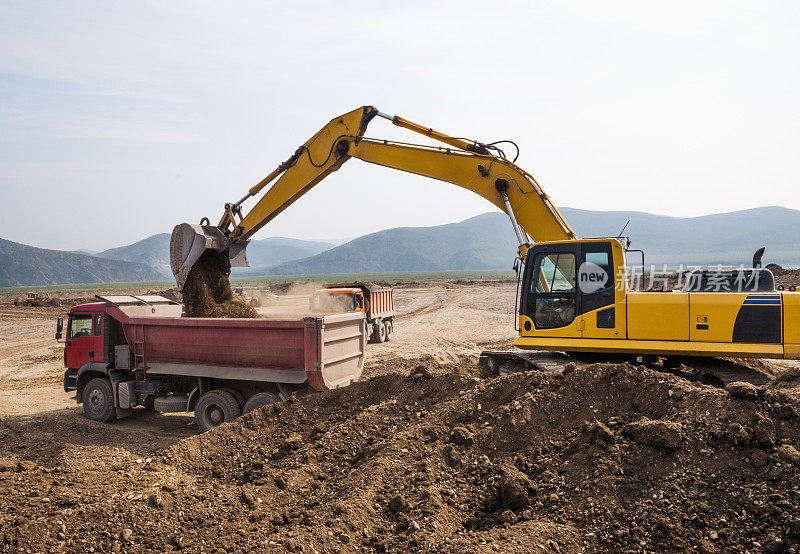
x,y
207,291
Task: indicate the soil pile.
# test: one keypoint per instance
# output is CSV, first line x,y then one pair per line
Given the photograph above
x,y
785,277
207,291
602,456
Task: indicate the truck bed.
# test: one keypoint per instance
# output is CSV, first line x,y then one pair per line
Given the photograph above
x,y
327,352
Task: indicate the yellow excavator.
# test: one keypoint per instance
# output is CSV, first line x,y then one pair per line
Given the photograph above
x,y
573,294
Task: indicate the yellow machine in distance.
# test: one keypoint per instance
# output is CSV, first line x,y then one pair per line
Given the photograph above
x,y
37,299
241,295
574,294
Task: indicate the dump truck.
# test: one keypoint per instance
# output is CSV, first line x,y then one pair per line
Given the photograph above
x,y
374,301
37,299
126,351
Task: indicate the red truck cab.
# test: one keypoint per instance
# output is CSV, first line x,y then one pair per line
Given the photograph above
x,y
84,341
343,299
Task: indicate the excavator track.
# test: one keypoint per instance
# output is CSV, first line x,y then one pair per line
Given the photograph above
x,y
712,371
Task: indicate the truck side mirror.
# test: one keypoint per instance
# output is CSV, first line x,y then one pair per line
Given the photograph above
x,y
516,265
59,328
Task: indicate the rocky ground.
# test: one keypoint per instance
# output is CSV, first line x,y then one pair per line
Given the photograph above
x,y
424,454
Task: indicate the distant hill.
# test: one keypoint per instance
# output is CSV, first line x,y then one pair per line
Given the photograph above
x,y
479,243
728,238
487,242
482,242
154,251
276,250
26,265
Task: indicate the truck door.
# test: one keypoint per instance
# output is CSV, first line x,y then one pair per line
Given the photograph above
x,y
80,340
85,340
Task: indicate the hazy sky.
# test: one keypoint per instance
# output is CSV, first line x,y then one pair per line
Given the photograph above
x,y
120,119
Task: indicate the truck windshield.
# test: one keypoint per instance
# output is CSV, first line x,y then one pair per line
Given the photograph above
x,y
333,302
80,326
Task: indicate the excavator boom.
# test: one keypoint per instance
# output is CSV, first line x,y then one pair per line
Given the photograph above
x,y
468,164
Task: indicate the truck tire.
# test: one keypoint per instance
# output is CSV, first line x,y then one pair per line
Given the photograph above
x,y
168,404
259,400
389,329
237,395
98,400
379,332
215,408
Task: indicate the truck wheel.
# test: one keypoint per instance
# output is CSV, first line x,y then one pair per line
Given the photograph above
x,y
260,399
389,329
215,408
170,404
98,400
379,332
237,395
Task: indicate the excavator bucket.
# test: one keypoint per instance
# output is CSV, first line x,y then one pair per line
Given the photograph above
x,y
190,241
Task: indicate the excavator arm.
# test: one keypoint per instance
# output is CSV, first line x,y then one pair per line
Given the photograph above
x,y
468,164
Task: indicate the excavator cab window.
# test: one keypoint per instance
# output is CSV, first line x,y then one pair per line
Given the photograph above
x,y
552,289
596,277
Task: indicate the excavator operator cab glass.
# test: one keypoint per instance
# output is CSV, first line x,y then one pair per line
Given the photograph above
x,y
553,290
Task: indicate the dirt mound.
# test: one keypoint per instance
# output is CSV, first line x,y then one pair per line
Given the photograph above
x,y
207,291
608,456
784,276
170,294
611,457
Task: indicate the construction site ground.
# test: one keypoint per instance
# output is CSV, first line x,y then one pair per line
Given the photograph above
x,y
422,454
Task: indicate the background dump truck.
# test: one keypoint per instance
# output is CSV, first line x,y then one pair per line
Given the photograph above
x,y
126,351
375,302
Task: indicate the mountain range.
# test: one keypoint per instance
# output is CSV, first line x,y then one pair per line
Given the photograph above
x,y
726,238
482,242
27,265
154,251
487,241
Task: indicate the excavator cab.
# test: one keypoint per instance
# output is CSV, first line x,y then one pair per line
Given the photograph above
x,y
564,281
